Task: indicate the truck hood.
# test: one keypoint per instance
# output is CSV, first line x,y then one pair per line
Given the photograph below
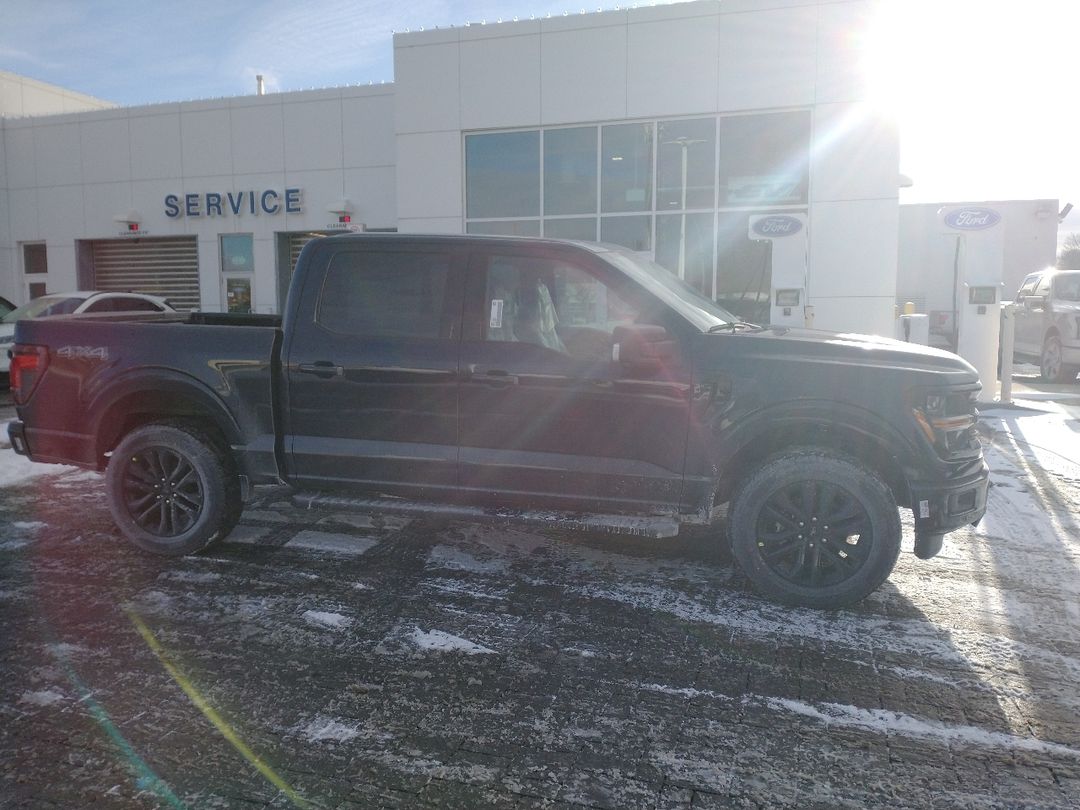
x,y
848,348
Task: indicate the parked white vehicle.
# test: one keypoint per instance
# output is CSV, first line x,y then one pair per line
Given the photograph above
x,y
73,303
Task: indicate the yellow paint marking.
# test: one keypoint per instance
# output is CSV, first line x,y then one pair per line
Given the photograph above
x,y
211,714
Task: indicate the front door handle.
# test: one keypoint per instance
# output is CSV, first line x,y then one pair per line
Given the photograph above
x,y
321,368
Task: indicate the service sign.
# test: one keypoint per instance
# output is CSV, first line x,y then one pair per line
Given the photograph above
x,y
972,219
777,225
220,204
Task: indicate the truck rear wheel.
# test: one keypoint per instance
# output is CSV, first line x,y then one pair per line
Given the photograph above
x,y
1051,367
814,528
172,490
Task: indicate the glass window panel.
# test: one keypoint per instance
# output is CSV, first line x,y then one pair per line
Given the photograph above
x,y
697,141
384,294
551,304
743,269
515,227
582,229
502,174
35,259
237,253
764,159
1068,287
37,289
630,232
570,171
698,250
626,174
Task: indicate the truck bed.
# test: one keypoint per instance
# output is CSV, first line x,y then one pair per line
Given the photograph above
x,y
101,366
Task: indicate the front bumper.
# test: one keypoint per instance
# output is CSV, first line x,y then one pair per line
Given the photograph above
x,y
940,507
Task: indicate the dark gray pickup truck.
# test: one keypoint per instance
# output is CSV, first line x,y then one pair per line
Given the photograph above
x,y
515,379
1048,323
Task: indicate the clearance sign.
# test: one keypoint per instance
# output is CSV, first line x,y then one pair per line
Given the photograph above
x,y
215,204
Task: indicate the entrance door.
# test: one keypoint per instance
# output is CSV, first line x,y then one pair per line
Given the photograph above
x,y
547,416
372,369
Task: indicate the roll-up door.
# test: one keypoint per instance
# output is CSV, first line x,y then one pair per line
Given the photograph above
x,y
289,246
167,266
296,244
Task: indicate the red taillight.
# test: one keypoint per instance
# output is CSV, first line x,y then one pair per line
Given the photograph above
x,y
28,363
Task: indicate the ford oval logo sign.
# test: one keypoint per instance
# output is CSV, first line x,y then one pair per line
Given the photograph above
x,y
972,219
778,225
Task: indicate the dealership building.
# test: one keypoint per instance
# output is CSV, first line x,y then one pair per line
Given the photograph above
x,y
730,141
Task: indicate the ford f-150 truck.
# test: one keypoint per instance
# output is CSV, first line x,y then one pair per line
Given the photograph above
x,y
525,379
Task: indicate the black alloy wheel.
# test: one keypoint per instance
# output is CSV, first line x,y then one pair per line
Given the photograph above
x,y
173,488
814,527
162,491
813,533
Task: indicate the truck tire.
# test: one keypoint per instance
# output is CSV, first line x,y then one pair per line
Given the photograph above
x,y
814,528
1051,367
172,489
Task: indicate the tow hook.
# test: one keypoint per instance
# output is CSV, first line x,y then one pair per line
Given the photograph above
x,y
928,545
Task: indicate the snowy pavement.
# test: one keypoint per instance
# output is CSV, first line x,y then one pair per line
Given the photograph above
x,y
350,660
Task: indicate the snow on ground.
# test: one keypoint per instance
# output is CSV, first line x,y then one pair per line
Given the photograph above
x,y
16,470
43,697
438,641
323,618
332,543
324,729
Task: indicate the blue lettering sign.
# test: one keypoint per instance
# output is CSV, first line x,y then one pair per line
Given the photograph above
x,y
973,219
266,195
216,204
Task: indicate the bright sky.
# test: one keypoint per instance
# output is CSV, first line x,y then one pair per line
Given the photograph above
x,y
984,90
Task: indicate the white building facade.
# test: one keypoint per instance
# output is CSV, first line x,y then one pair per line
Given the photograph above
x,y
670,130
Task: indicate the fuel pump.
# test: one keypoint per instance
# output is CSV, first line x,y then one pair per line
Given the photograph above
x,y
979,270
787,232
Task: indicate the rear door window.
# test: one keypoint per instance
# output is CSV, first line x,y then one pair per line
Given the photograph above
x,y
1067,287
386,295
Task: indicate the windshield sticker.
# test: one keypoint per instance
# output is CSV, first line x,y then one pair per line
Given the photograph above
x,y
496,314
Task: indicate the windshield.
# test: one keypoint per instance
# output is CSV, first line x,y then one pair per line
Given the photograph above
x,y
46,305
5,307
688,302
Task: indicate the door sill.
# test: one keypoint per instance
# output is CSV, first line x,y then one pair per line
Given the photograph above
x,y
654,526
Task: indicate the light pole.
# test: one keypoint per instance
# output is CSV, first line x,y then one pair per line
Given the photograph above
x,y
685,143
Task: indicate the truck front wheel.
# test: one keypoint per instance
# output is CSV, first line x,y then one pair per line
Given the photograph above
x,y
814,528
1051,365
172,489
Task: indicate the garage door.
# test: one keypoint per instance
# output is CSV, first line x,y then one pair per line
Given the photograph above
x,y
168,267
289,247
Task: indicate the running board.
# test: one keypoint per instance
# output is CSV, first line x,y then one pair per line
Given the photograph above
x,y
646,526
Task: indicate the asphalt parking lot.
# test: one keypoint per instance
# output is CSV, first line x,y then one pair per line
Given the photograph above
x,y
355,660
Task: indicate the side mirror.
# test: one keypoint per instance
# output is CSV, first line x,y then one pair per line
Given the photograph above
x,y
1035,302
642,345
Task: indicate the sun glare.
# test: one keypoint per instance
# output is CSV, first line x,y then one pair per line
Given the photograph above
x,y
975,91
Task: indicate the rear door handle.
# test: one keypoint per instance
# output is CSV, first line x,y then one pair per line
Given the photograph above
x,y
321,368
496,377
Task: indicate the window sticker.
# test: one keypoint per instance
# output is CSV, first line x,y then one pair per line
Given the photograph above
x,y
496,314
